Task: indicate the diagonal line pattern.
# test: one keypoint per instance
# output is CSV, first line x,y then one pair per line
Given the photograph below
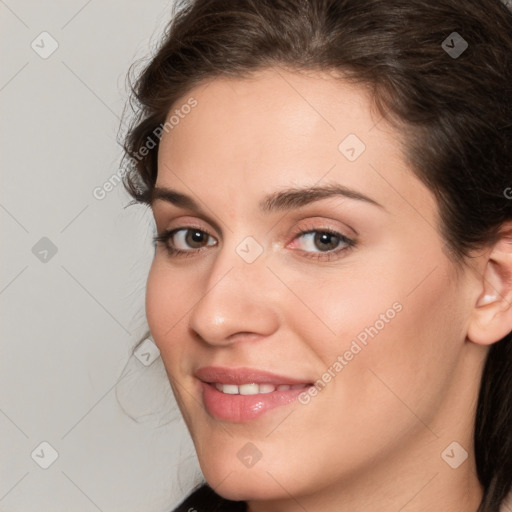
x,y
81,491
3,412
376,123
76,14
74,218
401,508
304,99
14,76
197,302
13,279
398,193
445,247
115,114
177,384
198,198
314,184
424,279
405,404
13,13
280,423
96,300
445,244
14,218
291,496
300,300
14,485
218,485
97,402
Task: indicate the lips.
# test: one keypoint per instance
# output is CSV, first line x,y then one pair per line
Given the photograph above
x,y
240,376
245,394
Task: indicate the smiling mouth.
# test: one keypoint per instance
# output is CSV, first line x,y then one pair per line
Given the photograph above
x,y
245,402
253,388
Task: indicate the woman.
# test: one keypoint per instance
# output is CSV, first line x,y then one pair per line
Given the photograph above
x,y
332,283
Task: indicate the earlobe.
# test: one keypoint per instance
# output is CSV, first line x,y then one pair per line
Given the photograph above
x,y
491,318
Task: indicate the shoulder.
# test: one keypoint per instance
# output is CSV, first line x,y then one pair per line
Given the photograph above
x,y
205,499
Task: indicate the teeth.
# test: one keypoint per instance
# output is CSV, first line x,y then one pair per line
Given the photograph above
x,y
229,389
253,388
266,388
248,389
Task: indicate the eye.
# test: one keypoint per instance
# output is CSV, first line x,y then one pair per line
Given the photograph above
x,y
181,241
322,243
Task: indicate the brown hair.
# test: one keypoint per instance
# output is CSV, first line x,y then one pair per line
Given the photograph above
x,y
454,109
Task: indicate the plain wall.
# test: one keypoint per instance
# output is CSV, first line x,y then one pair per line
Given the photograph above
x,y
73,270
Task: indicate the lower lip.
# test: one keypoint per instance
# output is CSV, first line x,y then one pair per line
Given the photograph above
x,y
241,408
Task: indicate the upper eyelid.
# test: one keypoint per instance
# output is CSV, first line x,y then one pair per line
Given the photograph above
x,y
324,199
297,233
185,225
331,255
197,225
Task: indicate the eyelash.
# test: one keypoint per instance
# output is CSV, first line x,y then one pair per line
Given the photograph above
x,y
320,256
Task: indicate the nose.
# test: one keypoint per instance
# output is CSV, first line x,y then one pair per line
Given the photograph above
x,y
237,301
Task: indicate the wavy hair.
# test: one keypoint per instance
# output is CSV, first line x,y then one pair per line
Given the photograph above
x,y
455,112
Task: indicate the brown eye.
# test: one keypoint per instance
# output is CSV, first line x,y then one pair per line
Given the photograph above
x,y
321,241
185,240
322,244
195,239
326,241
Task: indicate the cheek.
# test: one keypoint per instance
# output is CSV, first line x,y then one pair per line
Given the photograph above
x,y
397,332
357,301
410,336
165,308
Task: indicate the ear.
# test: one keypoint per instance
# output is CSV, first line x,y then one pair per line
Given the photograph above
x,y
491,318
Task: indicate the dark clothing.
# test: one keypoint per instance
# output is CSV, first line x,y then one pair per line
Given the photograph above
x,y
205,499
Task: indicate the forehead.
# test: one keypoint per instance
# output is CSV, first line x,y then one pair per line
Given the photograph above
x,y
280,128
271,114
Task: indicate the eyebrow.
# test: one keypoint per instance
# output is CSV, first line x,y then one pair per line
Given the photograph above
x,y
278,201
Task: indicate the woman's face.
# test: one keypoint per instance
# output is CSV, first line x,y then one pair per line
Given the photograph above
x,y
365,301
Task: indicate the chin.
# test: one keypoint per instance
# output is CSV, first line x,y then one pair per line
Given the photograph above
x,y
245,487
236,482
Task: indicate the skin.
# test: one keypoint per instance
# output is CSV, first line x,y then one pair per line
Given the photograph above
x,y
373,437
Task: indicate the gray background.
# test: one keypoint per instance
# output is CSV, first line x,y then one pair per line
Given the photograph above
x,y
73,272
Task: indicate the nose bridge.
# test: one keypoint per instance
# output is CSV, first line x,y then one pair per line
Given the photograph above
x,y
235,298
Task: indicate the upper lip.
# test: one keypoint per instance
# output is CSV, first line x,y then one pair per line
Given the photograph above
x,y
241,376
